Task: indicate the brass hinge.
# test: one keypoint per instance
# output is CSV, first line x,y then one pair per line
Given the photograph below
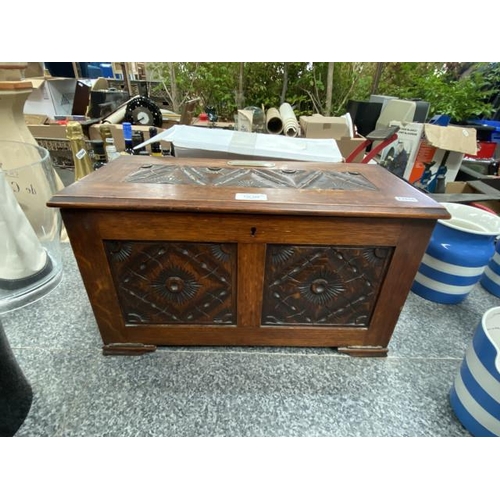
x,y
364,350
127,349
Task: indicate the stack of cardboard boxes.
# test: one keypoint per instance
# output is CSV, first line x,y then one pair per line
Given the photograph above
x,y
421,143
51,134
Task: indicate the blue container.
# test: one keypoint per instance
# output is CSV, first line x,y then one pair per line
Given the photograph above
x,y
475,394
491,276
459,250
495,134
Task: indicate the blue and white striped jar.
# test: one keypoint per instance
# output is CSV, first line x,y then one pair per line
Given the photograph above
x,y
491,276
459,250
475,394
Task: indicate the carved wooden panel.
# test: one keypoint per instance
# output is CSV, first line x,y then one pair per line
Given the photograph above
x,y
311,285
174,282
250,177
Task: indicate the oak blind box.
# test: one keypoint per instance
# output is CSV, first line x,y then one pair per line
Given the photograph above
x,y
213,252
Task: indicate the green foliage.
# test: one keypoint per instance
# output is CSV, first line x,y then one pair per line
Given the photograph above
x,y
460,99
263,84
213,83
351,81
401,76
461,90
306,89
437,83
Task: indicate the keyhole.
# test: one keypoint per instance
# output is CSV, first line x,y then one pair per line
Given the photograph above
x,y
253,230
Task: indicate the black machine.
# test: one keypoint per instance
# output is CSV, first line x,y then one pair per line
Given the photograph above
x,y
143,111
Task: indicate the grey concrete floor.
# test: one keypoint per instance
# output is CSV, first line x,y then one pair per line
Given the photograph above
x,y
237,391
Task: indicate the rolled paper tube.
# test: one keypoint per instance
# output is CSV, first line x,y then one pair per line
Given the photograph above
x,y
21,254
274,123
290,123
118,115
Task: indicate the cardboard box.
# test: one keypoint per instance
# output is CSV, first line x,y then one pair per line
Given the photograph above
x,y
457,187
52,137
420,143
48,131
347,145
43,127
324,127
488,186
36,119
52,96
477,187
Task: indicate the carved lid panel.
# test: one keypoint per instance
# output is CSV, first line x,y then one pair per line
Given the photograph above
x,y
280,178
216,185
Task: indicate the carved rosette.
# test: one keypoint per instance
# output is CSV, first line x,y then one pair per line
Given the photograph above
x,y
174,283
307,285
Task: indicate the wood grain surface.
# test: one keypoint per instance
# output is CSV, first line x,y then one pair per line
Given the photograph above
x,y
189,264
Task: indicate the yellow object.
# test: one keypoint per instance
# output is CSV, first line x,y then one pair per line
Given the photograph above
x,y
81,158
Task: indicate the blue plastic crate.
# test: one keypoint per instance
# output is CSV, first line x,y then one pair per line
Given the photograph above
x,y
495,134
490,123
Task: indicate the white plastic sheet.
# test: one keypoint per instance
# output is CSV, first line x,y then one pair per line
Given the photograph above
x,y
249,144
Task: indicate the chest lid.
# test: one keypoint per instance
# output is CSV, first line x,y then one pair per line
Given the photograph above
x,y
274,187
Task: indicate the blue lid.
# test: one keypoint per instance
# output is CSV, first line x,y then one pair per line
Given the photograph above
x,y
127,131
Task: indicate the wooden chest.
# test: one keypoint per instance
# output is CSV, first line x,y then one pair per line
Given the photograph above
x,y
211,252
